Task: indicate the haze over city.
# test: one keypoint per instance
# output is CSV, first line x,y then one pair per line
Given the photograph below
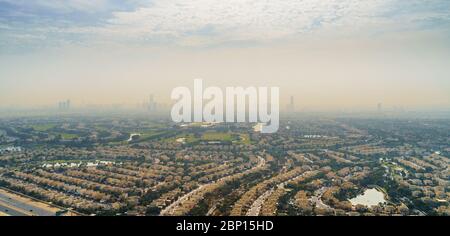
x,y
329,54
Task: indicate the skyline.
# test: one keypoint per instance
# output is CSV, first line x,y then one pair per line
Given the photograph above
x,y
329,54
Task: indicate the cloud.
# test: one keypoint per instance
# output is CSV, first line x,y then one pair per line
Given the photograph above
x,y
212,22
240,19
64,6
27,25
206,22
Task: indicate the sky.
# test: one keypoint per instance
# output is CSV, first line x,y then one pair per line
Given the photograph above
x,y
328,54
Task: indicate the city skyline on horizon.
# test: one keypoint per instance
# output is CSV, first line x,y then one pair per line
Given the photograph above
x,y
330,54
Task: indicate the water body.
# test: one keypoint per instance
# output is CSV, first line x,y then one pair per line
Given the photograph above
x,y
370,197
132,136
181,140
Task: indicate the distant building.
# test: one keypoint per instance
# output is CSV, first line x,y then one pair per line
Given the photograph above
x,y
291,106
151,105
64,105
379,107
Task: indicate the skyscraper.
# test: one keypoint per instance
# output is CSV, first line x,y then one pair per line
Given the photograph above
x,y
151,106
292,102
291,106
64,105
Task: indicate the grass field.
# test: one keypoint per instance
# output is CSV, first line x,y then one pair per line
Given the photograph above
x,y
152,134
189,138
244,139
47,127
67,136
43,127
217,136
238,138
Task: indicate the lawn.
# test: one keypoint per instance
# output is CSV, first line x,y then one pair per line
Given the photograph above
x,y
155,134
43,127
244,139
239,138
67,136
189,138
217,136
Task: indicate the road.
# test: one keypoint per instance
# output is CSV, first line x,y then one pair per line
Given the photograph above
x,y
317,199
169,210
8,210
14,205
256,206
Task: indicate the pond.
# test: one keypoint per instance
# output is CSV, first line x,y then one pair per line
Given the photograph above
x,y
370,197
133,136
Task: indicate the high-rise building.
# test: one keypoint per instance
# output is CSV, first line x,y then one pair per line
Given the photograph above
x,y
291,106
379,107
64,105
152,105
151,100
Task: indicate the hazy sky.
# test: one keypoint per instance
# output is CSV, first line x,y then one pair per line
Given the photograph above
x,y
327,53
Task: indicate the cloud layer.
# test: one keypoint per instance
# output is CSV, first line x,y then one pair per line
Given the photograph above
x,y
208,22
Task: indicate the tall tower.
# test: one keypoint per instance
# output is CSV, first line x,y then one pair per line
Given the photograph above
x,y
151,99
64,105
291,106
151,103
